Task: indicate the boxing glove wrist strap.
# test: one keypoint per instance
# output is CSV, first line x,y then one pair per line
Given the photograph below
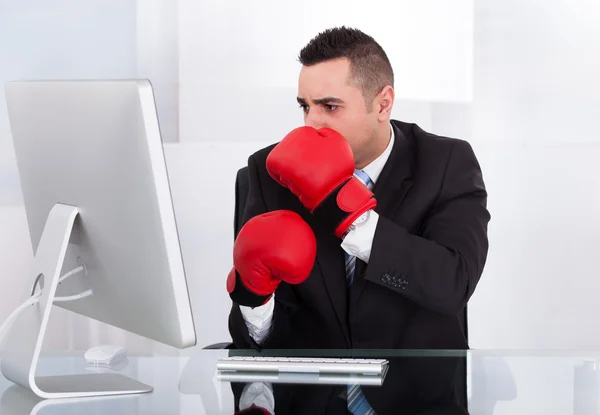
x,y
342,206
240,294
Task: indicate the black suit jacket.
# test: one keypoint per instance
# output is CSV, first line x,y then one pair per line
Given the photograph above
x,y
427,256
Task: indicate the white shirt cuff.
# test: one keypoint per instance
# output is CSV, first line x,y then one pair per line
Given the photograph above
x,y
259,319
359,241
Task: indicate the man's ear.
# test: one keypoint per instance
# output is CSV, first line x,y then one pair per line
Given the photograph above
x,y
384,103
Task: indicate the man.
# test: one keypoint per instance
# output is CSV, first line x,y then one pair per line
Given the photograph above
x,y
327,261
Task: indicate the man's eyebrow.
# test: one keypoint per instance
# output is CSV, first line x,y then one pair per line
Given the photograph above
x,y
320,101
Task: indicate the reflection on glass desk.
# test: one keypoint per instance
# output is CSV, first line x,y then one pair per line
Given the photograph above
x,y
424,383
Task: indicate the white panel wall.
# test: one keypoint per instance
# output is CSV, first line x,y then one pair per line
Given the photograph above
x,y
257,42
157,53
535,128
238,61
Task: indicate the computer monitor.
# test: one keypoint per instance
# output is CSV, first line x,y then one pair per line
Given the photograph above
x,y
97,199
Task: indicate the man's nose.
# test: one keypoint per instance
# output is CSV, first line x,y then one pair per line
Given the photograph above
x,y
315,120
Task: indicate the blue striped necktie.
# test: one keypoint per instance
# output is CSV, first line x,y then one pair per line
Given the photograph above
x,y
350,260
357,402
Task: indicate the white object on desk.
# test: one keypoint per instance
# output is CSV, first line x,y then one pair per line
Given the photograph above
x,y
105,354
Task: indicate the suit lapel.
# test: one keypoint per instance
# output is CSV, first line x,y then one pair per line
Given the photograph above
x,y
330,262
395,179
330,258
390,190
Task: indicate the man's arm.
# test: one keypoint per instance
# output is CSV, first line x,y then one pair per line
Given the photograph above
x,y
252,327
274,333
440,269
246,326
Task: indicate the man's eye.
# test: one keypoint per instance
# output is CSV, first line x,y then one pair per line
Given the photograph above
x,y
331,107
304,107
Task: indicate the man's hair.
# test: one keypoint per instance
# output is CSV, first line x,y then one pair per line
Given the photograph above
x,y
370,68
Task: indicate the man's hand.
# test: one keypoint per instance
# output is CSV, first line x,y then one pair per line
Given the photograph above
x,y
318,167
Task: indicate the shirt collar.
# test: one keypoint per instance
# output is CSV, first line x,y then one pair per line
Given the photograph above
x,y
374,168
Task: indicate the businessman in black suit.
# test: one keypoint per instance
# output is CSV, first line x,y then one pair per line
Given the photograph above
x,y
416,256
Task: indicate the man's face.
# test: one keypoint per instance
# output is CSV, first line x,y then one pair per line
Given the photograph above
x,y
329,100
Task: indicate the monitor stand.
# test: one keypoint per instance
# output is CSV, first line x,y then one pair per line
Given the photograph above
x,y
26,337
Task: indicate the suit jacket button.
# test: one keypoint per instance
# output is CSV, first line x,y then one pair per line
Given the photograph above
x,y
385,278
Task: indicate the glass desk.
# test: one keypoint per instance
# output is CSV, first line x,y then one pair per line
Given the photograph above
x,y
424,383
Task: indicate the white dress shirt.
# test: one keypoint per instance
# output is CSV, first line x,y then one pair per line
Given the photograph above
x,y
357,242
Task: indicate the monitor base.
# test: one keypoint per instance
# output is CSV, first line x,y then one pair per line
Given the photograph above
x,y
26,336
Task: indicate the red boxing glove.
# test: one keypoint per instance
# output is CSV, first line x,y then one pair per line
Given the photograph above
x,y
270,248
318,167
253,410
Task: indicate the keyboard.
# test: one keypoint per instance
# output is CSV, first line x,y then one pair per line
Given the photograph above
x,y
375,367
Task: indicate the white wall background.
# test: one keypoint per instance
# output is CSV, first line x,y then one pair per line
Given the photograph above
x,y
518,80
534,125
238,62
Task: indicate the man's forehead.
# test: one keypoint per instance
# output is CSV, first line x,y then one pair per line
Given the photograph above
x,y
317,87
324,92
